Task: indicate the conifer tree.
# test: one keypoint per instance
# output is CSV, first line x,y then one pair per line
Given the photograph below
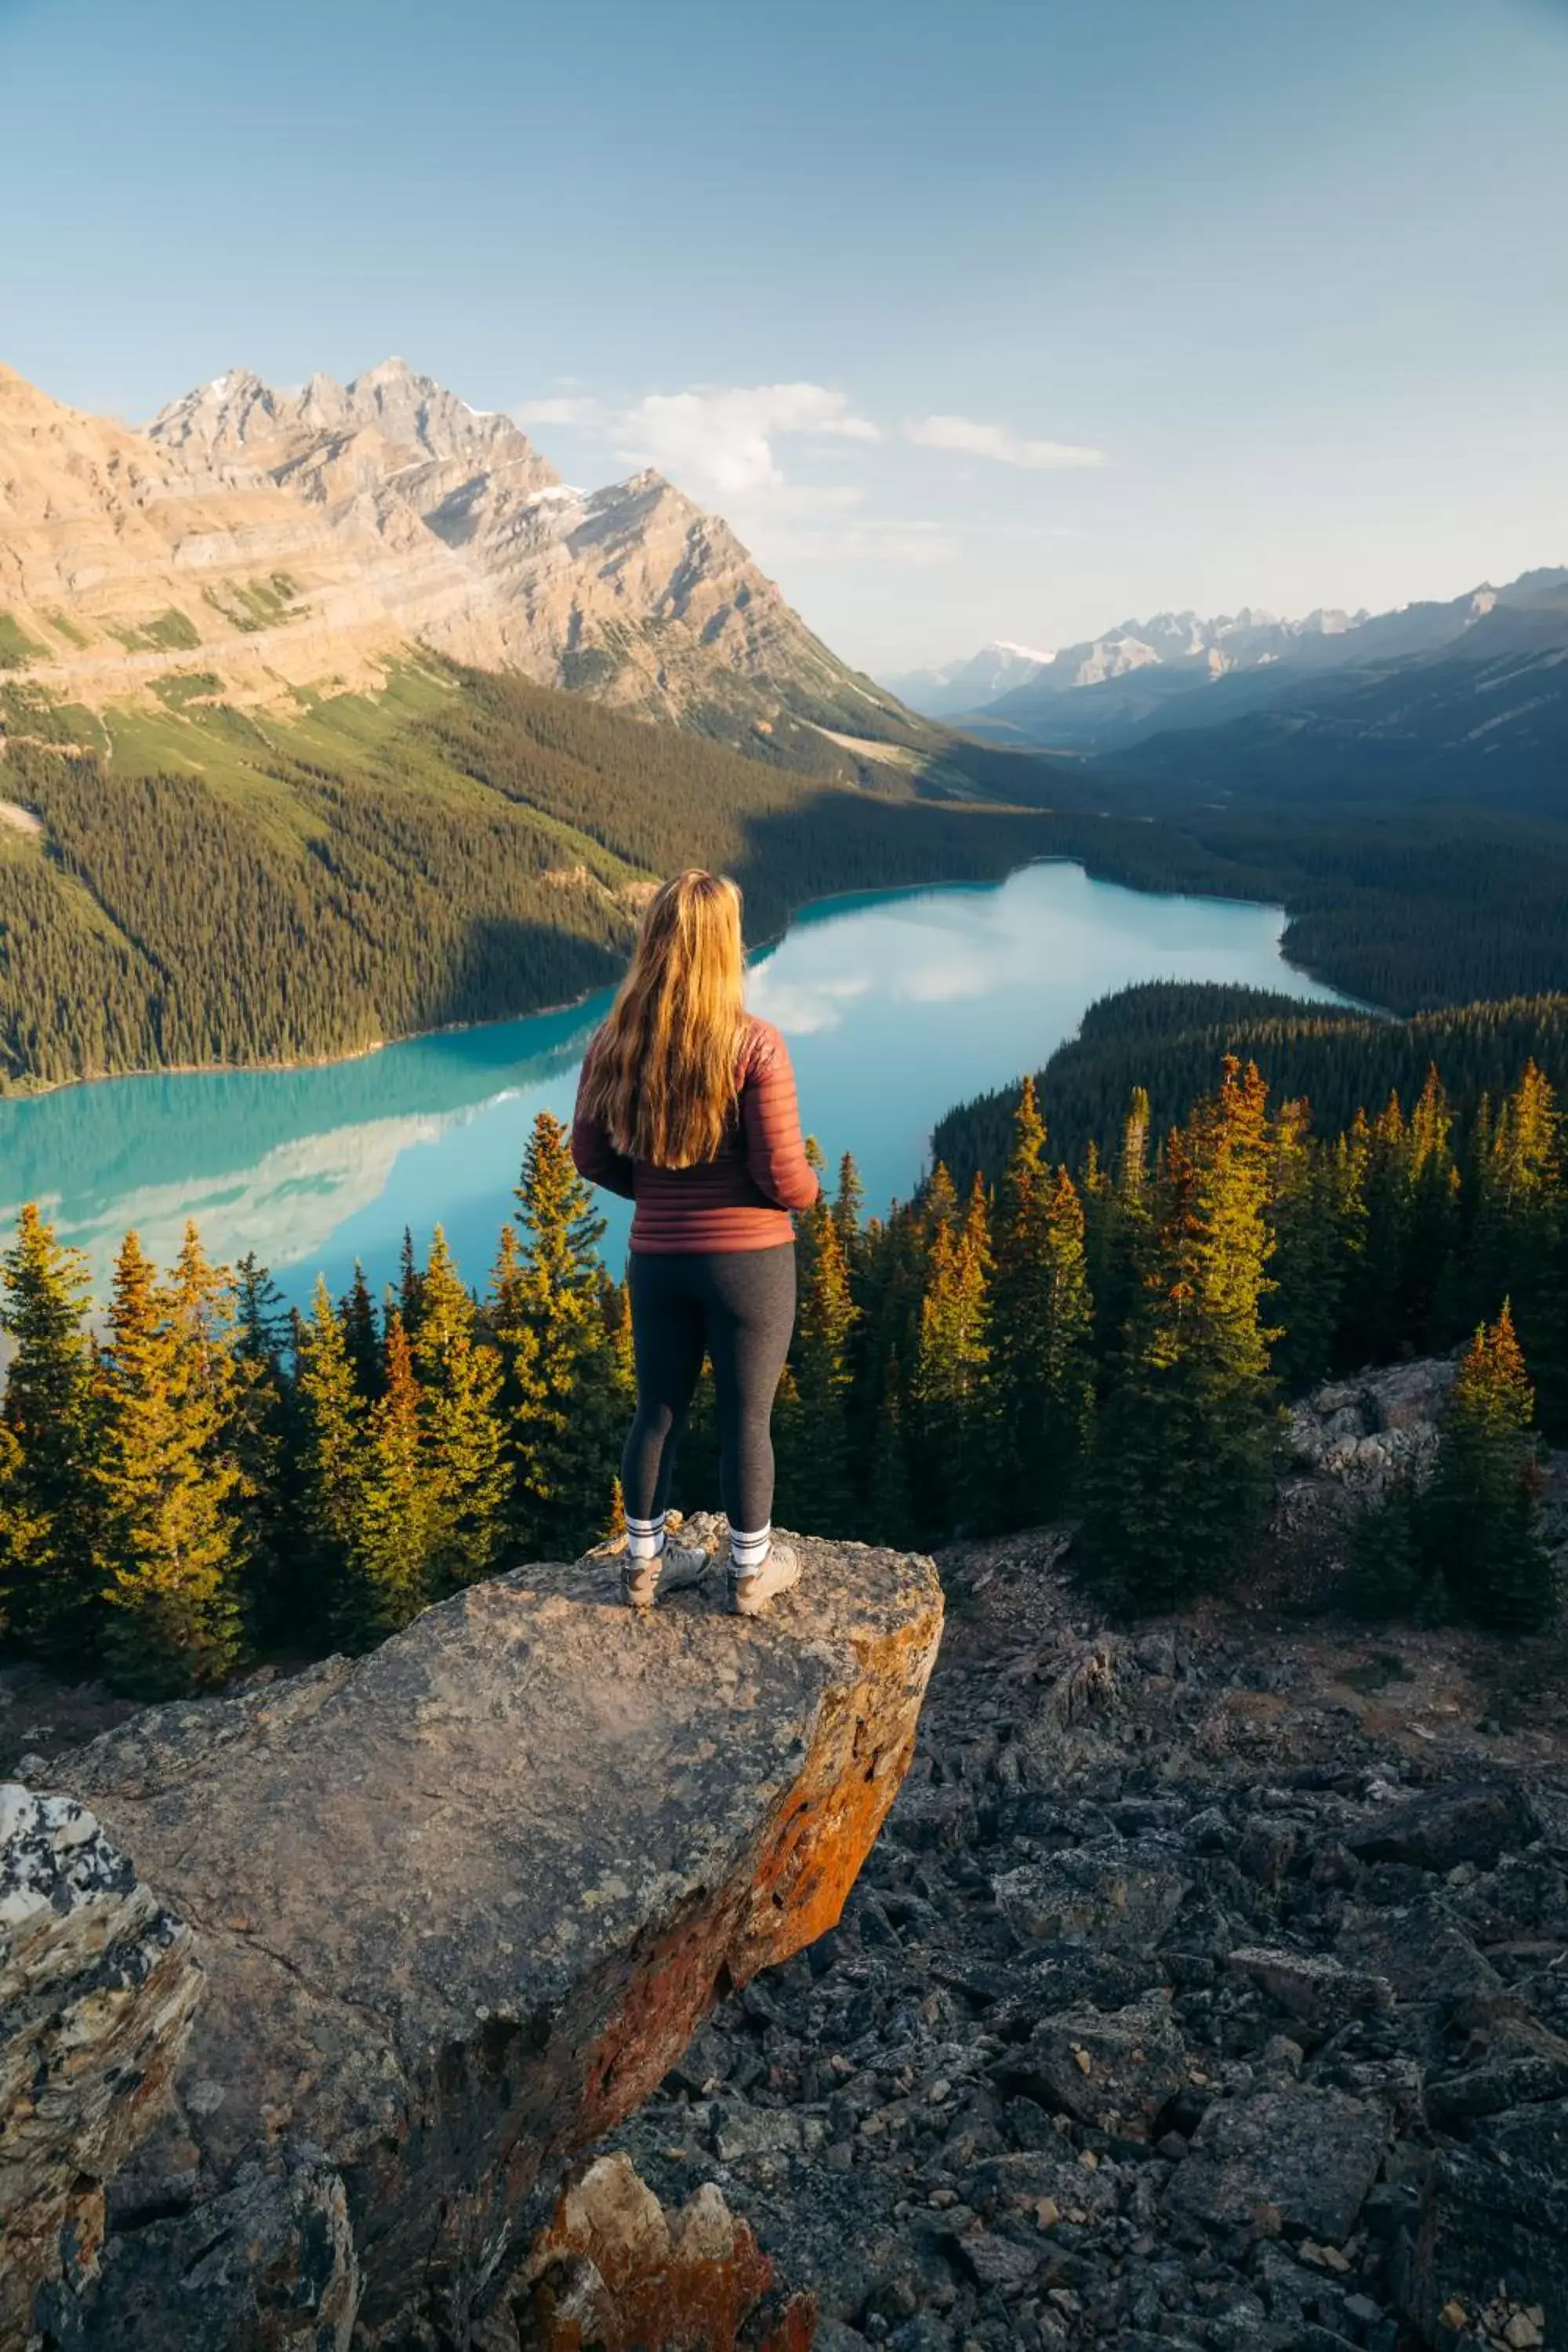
x,y
951,1346
361,1334
1389,1577
169,1542
623,1348
460,1377
24,1531
848,1205
1480,1515
1040,1385
332,1423
1519,1244
1181,1474
394,1530
1432,1282
1377,1300
275,1599
1116,1224
1309,1254
816,1485
554,1307
888,1510
48,1589
408,1287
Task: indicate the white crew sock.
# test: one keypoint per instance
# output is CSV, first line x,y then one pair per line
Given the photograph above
x,y
644,1537
748,1552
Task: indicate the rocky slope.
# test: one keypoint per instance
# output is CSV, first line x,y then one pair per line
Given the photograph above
x,y
1207,1991
459,1906
263,540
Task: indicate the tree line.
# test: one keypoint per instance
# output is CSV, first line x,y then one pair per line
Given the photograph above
x,y
209,1478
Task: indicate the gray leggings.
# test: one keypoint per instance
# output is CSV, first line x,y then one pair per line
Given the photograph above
x,y
736,1306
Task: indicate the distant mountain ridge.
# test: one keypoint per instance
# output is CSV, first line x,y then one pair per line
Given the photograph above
x,y
1180,669
269,539
995,670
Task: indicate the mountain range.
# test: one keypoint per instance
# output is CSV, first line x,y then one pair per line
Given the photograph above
x,y
968,685
279,540
1494,654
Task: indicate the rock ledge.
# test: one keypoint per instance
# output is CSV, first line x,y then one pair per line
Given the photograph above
x,y
460,1904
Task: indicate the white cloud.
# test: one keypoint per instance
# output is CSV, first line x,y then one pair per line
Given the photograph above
x,y
718,442
723,440
973,439
728,447
567,408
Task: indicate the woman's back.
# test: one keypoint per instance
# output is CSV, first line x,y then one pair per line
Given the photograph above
x,y
741,1198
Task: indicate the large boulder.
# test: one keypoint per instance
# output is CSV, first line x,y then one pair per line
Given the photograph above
x,y
462,1904
97,1985
1309,2156
1443,1827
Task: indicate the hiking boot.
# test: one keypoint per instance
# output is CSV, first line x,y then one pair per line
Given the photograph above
x,y
677,1568
750,1590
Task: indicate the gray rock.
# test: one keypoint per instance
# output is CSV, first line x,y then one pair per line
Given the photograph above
x,y
1525,2062
269,2264
999,2263
1447,1826
1423,1951
738,2130
1115,2073
1311,1986
1491,2222
1311,2154
1122,1894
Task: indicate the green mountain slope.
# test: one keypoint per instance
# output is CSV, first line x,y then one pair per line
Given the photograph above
x,y
193,883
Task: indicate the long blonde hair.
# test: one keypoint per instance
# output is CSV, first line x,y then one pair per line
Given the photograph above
x,y
662,1072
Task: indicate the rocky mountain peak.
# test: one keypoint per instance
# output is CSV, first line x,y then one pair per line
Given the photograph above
x,y
227,412
312,532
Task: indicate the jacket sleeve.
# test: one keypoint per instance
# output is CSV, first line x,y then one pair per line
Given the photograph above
x,y
770,1119
594,1156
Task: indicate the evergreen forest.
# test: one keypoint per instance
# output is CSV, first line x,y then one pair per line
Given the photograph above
x,y
199,886
1109,1336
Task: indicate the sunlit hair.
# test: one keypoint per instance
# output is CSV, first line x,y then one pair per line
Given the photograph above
x,y
662,1072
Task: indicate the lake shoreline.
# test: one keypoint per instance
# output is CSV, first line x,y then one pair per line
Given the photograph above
x,y
898,1003
295,1063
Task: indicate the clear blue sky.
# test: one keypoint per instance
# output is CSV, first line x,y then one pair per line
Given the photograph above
x,y
1011,317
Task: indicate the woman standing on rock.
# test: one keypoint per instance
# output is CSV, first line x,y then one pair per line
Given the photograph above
x,y
686,1106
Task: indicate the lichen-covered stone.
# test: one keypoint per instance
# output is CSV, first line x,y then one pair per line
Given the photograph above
x,y
1125,1894
461,1902
97,1985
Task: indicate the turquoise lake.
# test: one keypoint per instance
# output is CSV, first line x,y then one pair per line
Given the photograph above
x,y
896,1006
